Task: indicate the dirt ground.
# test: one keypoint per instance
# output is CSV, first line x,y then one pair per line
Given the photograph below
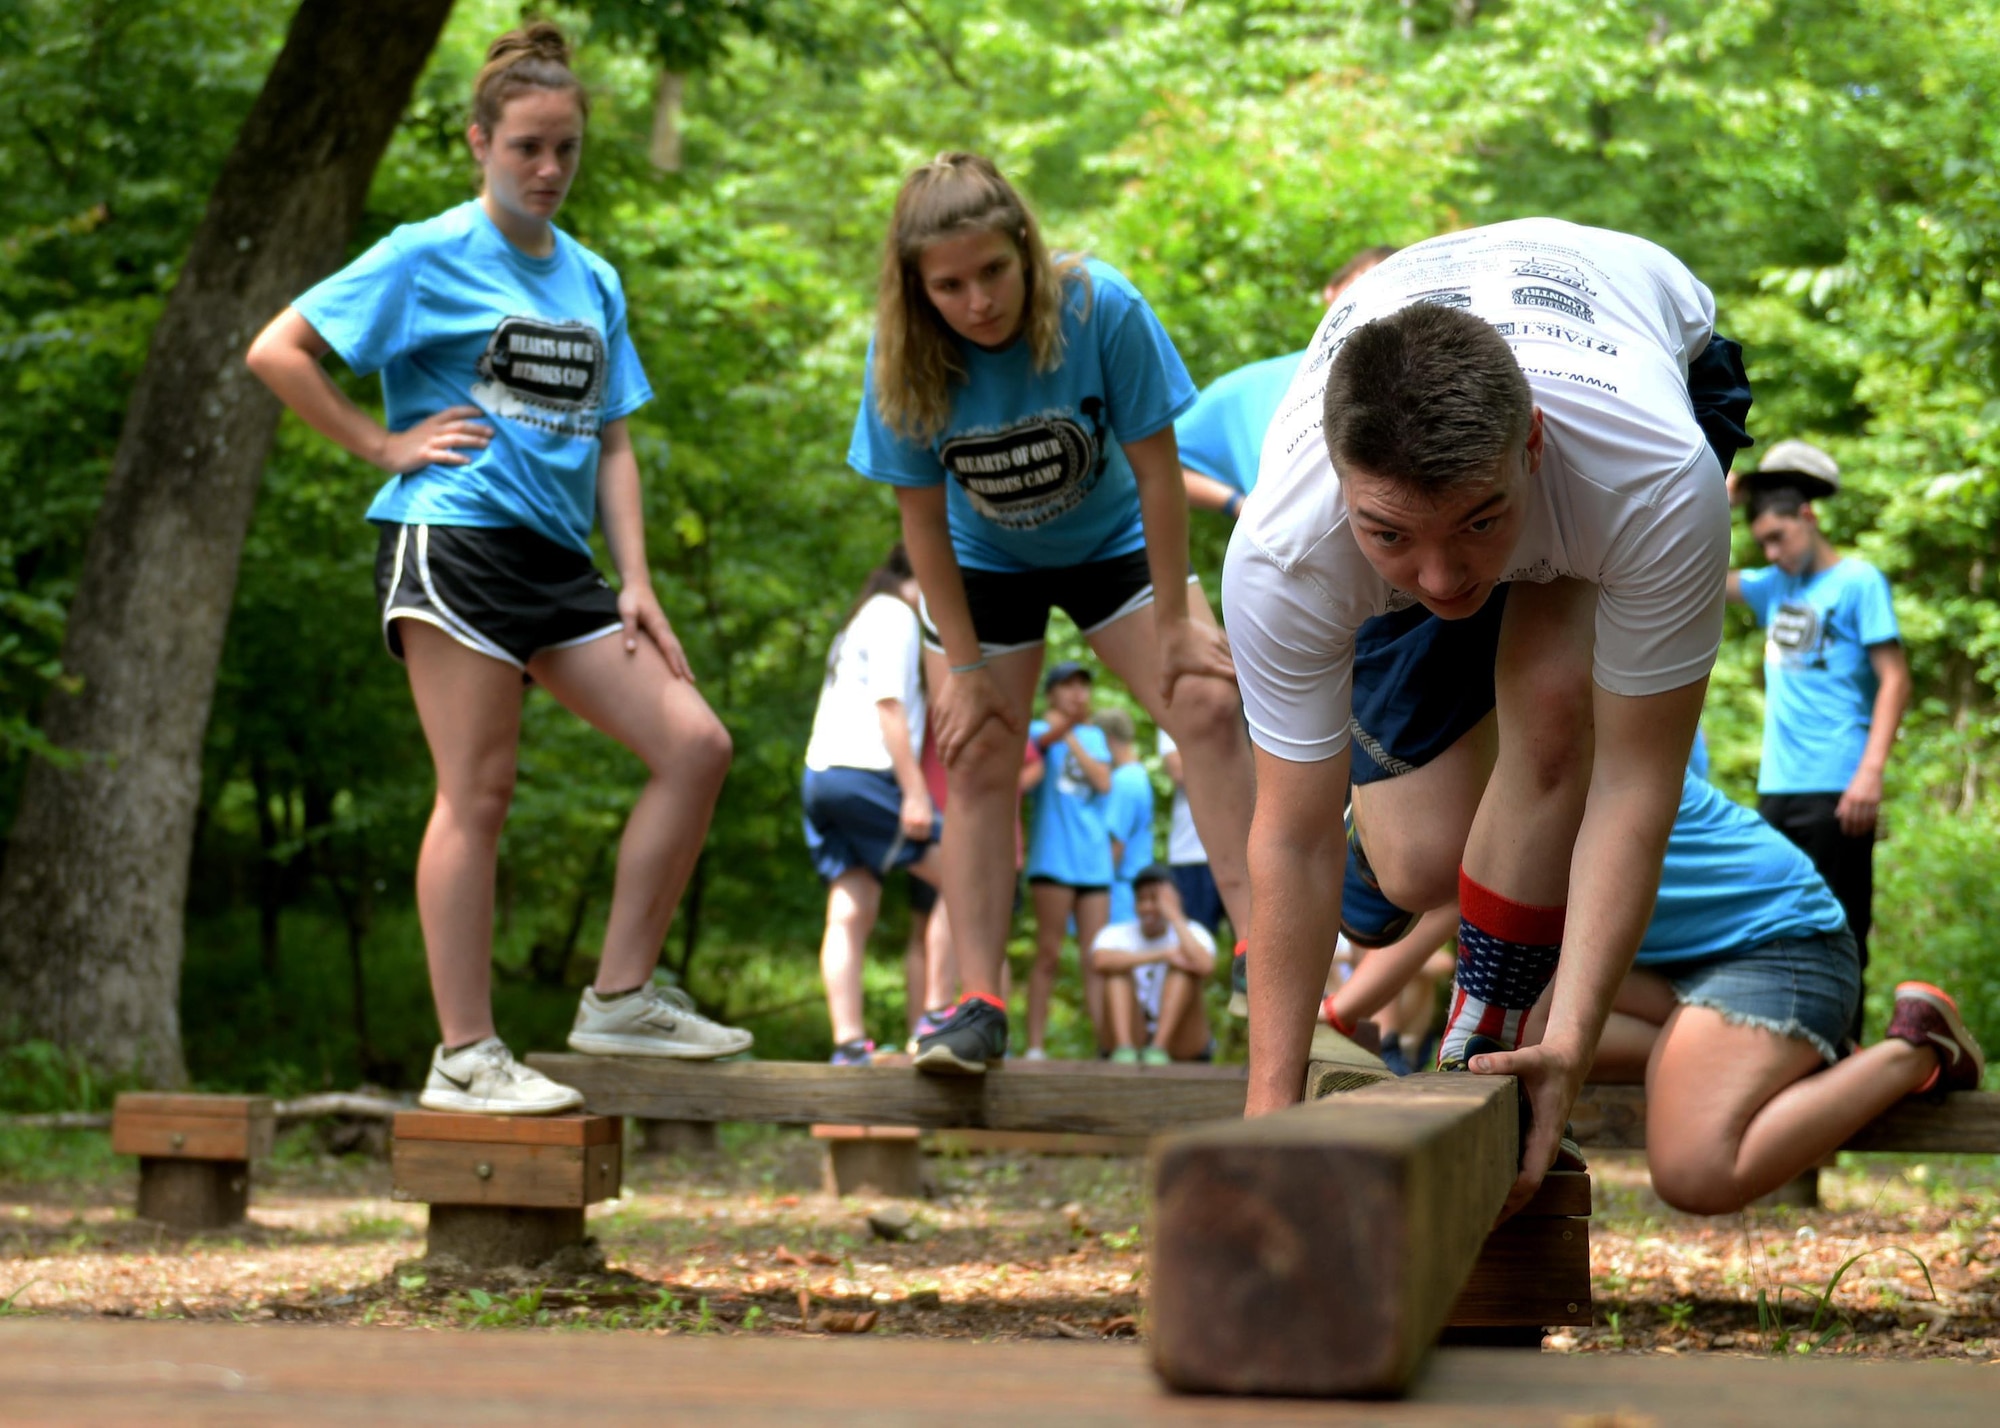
x,y
1005,1247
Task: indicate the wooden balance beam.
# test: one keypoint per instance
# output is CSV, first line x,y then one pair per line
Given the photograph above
x,y
1319,1251
1964,1123
1087,1097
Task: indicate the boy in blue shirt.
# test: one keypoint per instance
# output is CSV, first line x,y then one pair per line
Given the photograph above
x,y
1222,434
1069,847
1128,812
1836,682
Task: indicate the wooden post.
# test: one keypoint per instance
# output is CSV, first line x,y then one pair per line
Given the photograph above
x,y
1319,1251
194,1154
505,1190
883,1159
658,1137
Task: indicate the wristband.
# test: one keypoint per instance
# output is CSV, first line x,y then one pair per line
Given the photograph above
x,y
1332,1017
1234,505
979,663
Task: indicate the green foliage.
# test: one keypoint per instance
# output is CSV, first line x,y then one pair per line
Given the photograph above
x,y
1828,170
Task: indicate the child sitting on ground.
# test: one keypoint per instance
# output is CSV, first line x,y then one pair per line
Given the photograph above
x,y
1153,969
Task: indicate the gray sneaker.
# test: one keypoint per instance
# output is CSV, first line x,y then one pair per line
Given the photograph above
x,y
654,1021
484,1078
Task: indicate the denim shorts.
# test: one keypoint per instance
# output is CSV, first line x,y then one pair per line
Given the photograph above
x,y
1804,987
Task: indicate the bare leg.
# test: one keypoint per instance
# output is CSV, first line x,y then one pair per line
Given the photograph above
x,y
632,696
1121,1005
1385,971
983,796
853,900
1093,910
1053,904
916,969
470,707
1644,1002
1414,826
1206,720
940,961
1524,834
1733,1112
1183,1030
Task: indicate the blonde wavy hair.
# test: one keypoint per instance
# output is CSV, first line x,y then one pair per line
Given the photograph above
x,y
917,362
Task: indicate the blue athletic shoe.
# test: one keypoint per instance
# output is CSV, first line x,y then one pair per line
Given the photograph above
x,y
858,1052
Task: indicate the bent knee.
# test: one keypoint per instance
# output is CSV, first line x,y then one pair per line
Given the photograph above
x,y
1697,1185
1206,712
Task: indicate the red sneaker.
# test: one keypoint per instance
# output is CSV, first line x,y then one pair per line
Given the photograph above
x,y
1927,1016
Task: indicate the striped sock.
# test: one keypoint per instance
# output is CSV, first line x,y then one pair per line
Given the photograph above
x,y
1506,957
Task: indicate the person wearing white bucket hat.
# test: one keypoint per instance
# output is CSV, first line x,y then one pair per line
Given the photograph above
x,y
1836,681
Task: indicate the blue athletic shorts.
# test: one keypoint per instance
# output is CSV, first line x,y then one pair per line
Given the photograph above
x,y
854,819
1804,987
1201,900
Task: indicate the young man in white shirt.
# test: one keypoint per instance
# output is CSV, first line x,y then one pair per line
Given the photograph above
x,y
1153,969
1533,405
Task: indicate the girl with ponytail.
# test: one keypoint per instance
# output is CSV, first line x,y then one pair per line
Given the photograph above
x,y
508,375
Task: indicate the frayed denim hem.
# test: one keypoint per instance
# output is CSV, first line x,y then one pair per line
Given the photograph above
x,y
1794,1029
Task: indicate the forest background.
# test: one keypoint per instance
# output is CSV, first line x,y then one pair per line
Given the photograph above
x,y
1827,166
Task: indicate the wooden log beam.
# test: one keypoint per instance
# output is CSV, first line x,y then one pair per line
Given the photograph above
x,y
1967,1122
1091,1097
1318,1251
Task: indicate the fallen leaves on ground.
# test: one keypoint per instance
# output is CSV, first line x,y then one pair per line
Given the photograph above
x,y
1014,1246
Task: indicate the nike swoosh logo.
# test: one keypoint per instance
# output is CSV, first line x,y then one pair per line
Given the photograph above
x,y
465,1085
1949,1045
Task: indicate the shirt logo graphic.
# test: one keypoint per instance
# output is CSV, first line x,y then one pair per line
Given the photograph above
x,y
1795,632
544,374
1551,271
1027,474
1444,297
1556,299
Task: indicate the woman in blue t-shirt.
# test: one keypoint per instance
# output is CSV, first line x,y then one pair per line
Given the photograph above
x,y
1023,404
507,375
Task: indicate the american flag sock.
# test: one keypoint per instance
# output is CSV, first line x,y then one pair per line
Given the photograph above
x,y
1506,957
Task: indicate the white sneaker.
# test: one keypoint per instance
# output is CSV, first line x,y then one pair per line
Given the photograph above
x,y
486,1079
654,1021
1034,1053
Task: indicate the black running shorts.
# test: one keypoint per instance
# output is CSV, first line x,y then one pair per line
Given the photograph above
x,y
1010,608
505,591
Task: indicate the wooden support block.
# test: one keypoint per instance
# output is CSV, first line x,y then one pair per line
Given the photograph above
x,y
1318,1251
189,1127
657,1137
1800,1192
879,1160
193,1194
505,1190
999,1142
194,1154
1530,1272
497,1236
1091,1097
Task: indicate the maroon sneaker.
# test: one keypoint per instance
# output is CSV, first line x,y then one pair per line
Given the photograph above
x,y
1927,1016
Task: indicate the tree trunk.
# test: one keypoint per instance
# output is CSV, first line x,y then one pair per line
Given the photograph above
x,y
92,892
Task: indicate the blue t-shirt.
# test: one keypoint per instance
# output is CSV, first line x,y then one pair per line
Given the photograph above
x,y
1037,474
1067,839
1819,686
452,314
1222,434
1128,818
1731,882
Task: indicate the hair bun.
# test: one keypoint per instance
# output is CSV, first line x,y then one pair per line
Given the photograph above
x,y
539,39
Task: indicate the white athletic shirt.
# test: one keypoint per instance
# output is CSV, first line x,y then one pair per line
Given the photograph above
x,y
1629,497
874,658
1183,842
1150,979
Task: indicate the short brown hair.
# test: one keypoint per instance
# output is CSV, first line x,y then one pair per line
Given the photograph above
x,y
1116,725
1428,397
536,56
